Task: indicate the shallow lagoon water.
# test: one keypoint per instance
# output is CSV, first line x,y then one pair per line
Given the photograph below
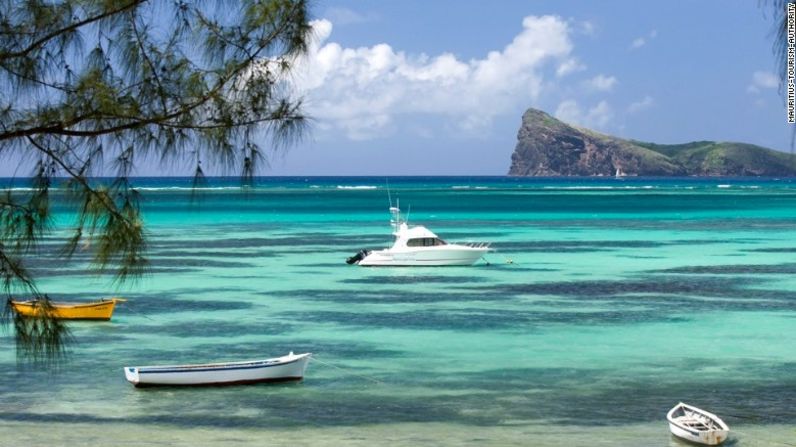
x,y
605,303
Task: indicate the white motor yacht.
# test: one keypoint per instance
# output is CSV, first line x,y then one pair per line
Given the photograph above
x,y
417,245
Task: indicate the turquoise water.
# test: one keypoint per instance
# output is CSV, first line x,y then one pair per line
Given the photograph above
x,y
604,303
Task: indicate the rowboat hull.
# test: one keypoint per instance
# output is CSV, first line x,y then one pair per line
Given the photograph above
x,y
98,310
279,369
714,437
696,425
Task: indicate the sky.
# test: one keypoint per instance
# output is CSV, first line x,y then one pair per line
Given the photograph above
x,y
439,87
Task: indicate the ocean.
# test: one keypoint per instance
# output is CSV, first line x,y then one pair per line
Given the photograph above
x,y
604,303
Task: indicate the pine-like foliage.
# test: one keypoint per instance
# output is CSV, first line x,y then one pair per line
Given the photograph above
x,y
90,84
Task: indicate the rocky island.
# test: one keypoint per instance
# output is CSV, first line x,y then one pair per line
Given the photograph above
x,y
549,147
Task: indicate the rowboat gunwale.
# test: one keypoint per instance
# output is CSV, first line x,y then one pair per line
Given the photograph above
x,y
220,366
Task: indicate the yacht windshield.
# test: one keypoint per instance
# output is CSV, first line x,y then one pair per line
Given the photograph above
x,y
425,242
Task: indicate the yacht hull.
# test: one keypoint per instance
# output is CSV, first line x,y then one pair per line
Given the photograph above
x,y
437,256
418,246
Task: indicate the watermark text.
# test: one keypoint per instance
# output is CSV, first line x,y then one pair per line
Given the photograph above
x,y
791,66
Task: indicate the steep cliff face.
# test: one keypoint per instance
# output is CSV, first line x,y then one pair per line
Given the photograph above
x,y
549,147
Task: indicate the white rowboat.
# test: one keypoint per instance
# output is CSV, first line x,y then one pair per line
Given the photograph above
x,y
289,367
696,425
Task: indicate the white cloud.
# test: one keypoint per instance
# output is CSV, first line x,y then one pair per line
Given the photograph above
x,y
601,83
596,117
638,106
766,79
600,115
569,112
639,42
762,80
570,65
362,90
587,28
345,16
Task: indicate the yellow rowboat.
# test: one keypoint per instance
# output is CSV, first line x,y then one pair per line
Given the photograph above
x,y
97,310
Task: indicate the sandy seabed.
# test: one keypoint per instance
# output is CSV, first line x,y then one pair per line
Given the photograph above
x,y
415,434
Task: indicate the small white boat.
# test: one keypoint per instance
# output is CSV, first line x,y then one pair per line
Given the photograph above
x,y
289,367
417,245
696,425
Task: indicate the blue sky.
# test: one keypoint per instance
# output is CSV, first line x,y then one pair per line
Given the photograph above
x,y
666,72
439,87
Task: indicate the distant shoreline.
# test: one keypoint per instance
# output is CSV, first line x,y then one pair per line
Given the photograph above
x,y
443,176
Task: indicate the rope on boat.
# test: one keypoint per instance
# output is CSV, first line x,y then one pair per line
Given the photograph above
x,y
315,359
508,260
140,313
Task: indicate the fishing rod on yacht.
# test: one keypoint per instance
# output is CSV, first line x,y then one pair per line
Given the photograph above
x,y
416,246
389,196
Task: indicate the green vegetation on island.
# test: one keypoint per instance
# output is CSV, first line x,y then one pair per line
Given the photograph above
x,y
549,147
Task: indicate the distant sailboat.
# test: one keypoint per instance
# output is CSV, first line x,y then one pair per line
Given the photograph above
x,y
619,173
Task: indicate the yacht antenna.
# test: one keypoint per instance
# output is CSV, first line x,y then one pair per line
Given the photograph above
x,y
389,196
395,216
